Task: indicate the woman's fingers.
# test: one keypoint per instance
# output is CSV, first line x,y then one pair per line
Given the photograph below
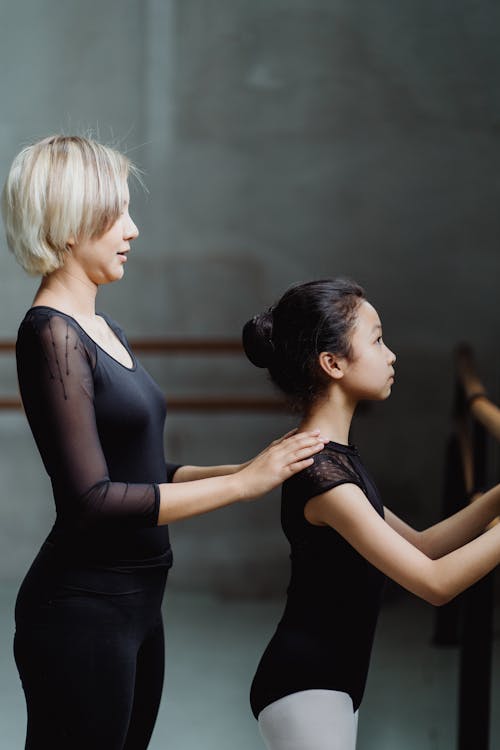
x,y
309,442
285,436
304,452
279,461
296,435
293,462
300,465
300,439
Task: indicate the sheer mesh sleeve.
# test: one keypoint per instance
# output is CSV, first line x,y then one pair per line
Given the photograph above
x,y
329,470
55,373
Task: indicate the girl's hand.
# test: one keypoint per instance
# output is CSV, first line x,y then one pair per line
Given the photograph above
x,y
279,461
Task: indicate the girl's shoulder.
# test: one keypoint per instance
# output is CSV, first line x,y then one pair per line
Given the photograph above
x,y
332,466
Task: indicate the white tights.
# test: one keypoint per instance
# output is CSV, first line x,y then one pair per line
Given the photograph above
x,y
310,720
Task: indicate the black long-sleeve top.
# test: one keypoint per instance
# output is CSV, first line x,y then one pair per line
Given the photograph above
x,y
99,428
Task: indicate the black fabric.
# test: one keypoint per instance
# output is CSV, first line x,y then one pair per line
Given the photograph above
x,y
89,634
324,639
90,652
99,428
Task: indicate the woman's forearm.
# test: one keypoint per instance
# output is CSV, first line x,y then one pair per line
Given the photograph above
x,y
184,499
276,463
192,473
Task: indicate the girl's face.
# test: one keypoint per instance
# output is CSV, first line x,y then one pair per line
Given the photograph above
x,y
369,373
103,259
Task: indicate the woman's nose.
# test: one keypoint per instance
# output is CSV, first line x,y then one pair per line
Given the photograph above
x,y
131,231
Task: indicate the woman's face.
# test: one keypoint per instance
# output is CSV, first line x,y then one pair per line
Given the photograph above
x,y
103,259
369,373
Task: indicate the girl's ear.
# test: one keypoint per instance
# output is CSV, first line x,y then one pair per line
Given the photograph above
x,y
332,365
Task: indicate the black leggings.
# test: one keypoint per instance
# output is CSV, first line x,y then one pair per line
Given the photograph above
x,y
90,653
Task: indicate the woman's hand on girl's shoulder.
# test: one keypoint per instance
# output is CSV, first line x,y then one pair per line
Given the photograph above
x,y
281,459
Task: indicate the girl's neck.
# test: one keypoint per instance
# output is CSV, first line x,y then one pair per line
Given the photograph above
x,y
68,291
332,416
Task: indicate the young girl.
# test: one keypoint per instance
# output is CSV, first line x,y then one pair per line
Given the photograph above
x,y
89,633
322,344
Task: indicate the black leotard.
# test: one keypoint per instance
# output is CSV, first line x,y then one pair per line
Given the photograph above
x,y
89,634
325,636
99,428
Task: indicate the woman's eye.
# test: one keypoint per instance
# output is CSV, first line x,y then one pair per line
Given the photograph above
x,y
379,340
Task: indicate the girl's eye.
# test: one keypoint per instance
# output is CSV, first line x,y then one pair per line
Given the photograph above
x,y
379,340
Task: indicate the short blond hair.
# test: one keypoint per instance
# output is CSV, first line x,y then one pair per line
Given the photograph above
x,y
59,189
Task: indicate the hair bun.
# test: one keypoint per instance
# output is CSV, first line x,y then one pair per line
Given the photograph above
x,y
257,339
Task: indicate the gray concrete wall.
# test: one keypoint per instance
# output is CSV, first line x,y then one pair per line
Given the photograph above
x,y
280,141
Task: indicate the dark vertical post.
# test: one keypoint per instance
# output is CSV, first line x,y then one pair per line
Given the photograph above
x,y
476,646
447,618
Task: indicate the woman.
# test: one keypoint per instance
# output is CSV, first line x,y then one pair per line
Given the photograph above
x,y
322,344
89,636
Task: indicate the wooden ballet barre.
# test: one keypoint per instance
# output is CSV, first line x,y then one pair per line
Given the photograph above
x,y
483,409
187,346
203,346
167,346
194,403
489,419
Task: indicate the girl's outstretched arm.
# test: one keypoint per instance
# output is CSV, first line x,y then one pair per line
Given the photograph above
x,y
454,531
346,509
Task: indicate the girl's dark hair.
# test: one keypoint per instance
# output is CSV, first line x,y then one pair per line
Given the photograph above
x,y
310,318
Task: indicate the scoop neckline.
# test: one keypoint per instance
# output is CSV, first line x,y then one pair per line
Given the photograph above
x,y
113,359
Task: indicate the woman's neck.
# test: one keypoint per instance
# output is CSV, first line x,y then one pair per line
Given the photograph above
x,y
332,416
68,291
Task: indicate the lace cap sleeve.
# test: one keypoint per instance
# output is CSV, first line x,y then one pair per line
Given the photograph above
x,y
329,470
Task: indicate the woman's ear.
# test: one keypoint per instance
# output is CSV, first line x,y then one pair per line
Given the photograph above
x,y
332,365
